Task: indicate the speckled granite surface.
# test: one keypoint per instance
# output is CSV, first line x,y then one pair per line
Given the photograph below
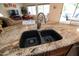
x,y
9,40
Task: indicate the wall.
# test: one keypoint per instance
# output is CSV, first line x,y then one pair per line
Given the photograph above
x,y
4,10
55,13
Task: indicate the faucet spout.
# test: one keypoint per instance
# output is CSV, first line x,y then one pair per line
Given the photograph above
x,y
40,18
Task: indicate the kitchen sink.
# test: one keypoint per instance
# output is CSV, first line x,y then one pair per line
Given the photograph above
x,y
30,38
35,37
50,35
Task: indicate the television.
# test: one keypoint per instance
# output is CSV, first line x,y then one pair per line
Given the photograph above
x,y
13,12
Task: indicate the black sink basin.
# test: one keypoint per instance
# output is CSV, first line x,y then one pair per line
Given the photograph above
x,y
29,38
50,35
34,37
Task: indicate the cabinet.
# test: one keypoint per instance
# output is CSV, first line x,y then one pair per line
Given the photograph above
x,y
58,52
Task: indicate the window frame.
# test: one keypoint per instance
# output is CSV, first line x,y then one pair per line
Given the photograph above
x,y
37,7
70,16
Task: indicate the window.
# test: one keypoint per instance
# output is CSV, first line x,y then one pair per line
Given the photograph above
x,y
40,8
32,10
70,11
44,9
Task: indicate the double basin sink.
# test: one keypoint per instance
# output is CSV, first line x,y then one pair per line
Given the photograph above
x,y
37,37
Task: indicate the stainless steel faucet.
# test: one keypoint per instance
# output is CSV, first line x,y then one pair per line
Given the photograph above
x,y
40,18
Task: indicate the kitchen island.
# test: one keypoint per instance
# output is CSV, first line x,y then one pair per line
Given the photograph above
x,y
9,39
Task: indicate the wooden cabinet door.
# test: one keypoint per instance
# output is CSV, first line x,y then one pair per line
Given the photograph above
x,y
59,52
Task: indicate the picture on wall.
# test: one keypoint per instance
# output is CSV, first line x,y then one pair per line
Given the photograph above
x,y
10,5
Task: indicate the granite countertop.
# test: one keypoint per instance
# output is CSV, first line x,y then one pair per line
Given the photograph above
x,y
68,32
